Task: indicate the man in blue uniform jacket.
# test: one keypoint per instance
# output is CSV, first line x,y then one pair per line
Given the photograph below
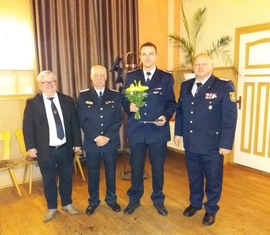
x,y
100,115
206,117
142,135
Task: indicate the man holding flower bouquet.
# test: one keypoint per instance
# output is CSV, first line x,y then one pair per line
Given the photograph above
x,y
149,101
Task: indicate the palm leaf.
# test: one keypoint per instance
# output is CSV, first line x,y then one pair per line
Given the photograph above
x,y
192,29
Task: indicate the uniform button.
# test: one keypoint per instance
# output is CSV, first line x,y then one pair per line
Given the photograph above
x,y
145,113
145,105
191,112
192,102
101,124
190,121
101,108
101,116
101,132
191,131
217,133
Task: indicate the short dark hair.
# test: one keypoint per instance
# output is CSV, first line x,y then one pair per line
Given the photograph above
x,y
148,44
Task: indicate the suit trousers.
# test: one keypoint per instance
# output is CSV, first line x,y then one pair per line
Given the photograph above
x,y
93,165
210,168
157,156
61,165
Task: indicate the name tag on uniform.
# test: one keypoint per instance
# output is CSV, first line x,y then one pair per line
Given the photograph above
x,y
88,102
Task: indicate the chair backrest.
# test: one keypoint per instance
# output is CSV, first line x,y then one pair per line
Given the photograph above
x,y
20,138
5,137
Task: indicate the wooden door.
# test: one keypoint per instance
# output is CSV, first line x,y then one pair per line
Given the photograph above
x,y
252,57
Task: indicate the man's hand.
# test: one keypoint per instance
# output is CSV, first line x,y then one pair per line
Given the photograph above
x,y
102,140
76,149
32,152
161,121
178,140
224,151
133,108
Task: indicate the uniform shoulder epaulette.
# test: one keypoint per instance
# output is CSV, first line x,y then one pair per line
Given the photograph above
x,y
224,79
114,90
84,90
167,71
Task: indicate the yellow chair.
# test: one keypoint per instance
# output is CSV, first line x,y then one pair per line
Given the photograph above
x,y
5,162
28,161
78,162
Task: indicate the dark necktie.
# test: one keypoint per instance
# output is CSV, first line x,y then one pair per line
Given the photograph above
x,y
199,85
100,95
58,123
148,78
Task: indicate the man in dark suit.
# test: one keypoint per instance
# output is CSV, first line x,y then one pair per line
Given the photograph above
x,y
52,135
142,135
206,117
100,115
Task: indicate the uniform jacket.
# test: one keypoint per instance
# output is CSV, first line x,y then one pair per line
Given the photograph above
x,y
100,118
207,121
160,101
36,127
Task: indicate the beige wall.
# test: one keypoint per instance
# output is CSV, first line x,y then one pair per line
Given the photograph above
x,y
15,21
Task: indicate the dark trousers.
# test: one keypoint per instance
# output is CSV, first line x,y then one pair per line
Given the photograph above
x,y
210,168
93,165
157,155
58,164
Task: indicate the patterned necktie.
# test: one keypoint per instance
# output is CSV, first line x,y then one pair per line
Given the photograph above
x,y
58,123
199,85
148,78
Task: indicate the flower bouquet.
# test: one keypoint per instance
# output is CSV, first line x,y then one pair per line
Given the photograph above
x,y
136,94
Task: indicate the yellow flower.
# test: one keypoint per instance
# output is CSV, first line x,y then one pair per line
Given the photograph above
x,y
136,94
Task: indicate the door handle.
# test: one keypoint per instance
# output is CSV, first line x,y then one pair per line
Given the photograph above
x,y
239,101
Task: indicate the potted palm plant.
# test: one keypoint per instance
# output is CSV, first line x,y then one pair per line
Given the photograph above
x,y
189,44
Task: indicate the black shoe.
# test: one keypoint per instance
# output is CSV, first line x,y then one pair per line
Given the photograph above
x,y
161,209
191,210
90,209
131,208
115,207
209,218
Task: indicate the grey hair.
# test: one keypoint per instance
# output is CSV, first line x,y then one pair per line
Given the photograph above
x,y
44,74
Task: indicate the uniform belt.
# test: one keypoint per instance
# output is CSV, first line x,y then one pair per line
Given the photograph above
x,y
58,146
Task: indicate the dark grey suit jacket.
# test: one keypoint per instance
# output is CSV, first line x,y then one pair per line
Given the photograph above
x,y
36,127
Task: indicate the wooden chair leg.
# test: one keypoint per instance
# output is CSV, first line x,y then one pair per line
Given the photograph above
x,y
14,180
30,178
75,166
25,173
77,159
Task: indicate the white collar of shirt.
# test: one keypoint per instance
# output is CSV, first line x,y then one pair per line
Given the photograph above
x,y
98,91
152,71
53,140
194,88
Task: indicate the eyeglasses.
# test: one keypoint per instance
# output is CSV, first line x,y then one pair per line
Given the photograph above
x,y
48,83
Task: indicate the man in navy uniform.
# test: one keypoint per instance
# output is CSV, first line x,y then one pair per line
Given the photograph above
x,y
100,115
142,135
206,117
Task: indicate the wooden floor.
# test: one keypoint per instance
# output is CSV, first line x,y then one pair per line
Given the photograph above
x,y
244,207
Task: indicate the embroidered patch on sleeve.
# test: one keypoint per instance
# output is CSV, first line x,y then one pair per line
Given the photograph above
x,y
233,96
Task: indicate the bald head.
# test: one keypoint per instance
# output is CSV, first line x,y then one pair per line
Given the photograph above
x,y
202,66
